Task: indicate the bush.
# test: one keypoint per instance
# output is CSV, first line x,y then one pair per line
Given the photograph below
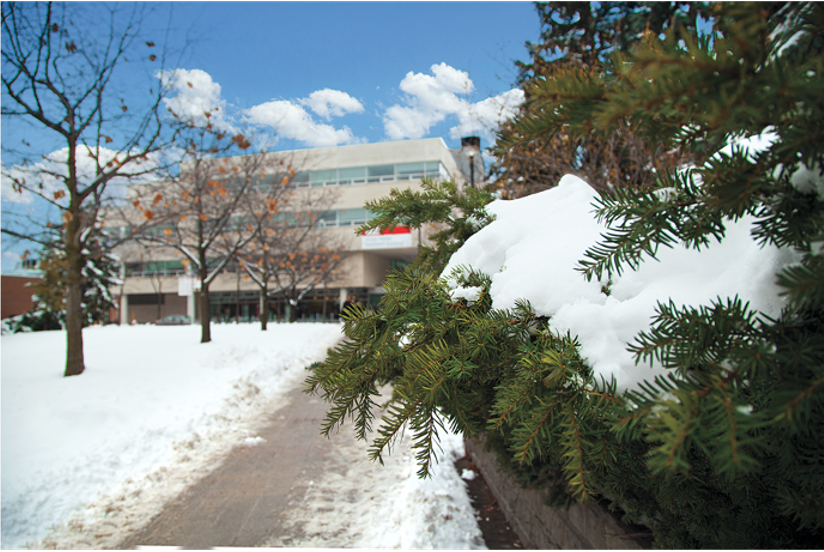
x,y
725,449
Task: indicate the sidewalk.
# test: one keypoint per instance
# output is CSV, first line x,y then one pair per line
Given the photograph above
x,y
298,488
242,501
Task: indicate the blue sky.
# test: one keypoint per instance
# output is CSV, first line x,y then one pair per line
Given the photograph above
x,y
333,73
259,52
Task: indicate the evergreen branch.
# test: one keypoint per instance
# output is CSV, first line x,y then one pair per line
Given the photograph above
x,y
574,455
804,283
527,444
791,408
639,222
504,408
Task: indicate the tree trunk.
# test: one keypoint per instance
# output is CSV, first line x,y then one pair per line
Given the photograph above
x,y
237,299
74,302
292,311
205,314
264,307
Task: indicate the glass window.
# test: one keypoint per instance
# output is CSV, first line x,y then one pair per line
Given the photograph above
x,y
409,170
327,219
301,179
352,217
377,173
279,179
258,183
352,175
433,169
325,177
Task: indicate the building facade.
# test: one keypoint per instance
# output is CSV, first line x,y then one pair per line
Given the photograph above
x,y
17,295
156,283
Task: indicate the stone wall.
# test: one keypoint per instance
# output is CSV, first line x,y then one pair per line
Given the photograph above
x,y
582,526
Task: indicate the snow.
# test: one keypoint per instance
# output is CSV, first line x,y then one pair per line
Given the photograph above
x,y
88,459
469,293
357,504
151,411
468,475
532,249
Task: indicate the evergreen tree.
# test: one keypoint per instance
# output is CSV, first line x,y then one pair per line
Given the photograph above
x,y
48,293
726,450
101,272
582,35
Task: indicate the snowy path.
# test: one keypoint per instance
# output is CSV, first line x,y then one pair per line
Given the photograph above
x,y
294,488
357,503
87,461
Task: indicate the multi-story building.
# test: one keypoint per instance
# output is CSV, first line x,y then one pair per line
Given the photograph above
x,y
156,283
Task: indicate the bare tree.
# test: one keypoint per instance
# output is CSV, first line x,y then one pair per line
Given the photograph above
x,y
60,87
293,250
202,210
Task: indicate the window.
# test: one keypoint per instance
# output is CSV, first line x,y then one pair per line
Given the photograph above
x,y
328,177
146,299
301,179
380,173
408,171
352,175
328,219
352,217
360,175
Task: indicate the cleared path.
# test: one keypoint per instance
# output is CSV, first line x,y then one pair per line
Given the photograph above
x,y
241,503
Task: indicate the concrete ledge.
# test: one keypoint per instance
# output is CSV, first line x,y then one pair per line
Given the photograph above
x,y
582,526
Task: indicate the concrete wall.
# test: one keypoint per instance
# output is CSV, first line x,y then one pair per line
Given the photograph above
x,y
400,151
582,526
363,268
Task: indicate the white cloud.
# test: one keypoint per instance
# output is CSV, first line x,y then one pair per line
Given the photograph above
x,y
195,95
47,176
7,188
487,115
292,121
332,103
432,98
429,100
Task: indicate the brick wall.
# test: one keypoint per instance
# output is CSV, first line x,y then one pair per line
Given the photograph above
x,y
16,296
582,526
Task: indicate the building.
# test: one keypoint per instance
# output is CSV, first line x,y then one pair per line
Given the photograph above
x,y
16,291
155,284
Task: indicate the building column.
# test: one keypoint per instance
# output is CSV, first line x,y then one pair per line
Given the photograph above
x,y
190,306
124,309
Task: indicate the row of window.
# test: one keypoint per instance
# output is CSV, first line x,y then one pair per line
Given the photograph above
x,y
361,175
327,219
344,217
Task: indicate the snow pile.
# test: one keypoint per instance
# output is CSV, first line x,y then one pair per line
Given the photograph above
x,y
532,249
94,456
361,504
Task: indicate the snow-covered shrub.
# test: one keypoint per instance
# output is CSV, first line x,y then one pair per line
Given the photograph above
x,y
662,349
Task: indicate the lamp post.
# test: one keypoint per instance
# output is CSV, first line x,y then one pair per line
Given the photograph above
x,y
471,155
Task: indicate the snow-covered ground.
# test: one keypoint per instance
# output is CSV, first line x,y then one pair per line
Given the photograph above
x,y
87,459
